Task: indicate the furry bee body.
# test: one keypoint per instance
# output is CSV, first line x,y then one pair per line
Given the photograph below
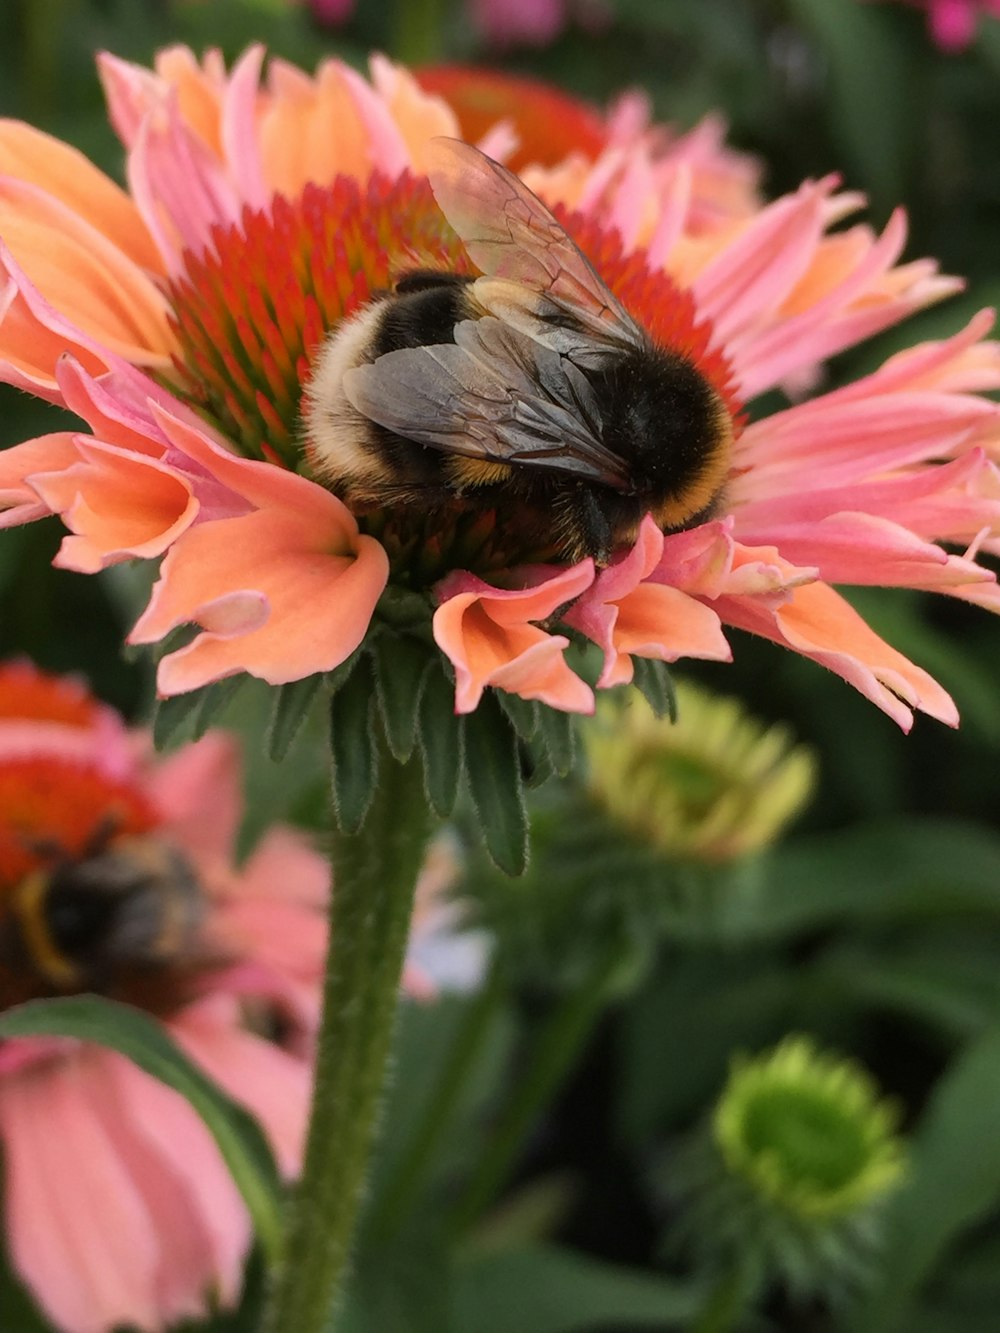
x,y
529,389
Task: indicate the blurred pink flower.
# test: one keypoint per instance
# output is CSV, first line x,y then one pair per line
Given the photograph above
x,y
953,22
119,1209
249,230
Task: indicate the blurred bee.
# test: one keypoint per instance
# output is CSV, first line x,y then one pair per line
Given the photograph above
x,y
530,387
128,903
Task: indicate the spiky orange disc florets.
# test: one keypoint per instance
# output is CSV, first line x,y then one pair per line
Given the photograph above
x,y
250,314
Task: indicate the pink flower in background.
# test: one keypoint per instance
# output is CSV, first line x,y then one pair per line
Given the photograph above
x,y
511,22
117,874
953,22
250,229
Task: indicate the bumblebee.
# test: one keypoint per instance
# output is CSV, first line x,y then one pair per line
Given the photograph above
x,y
530,388
127,904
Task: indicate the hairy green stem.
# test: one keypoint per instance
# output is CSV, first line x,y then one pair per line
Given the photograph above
x,y
374,873
562,1038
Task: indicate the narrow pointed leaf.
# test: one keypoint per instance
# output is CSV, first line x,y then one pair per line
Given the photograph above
x,y
214,700
353,748
653,681
292,703
523,713
170,715
494,770
556,729
401,665
440,735
146,1043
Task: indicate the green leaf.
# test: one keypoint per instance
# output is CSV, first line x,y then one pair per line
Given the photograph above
x,y
653,681
352,748
401,666
214,699
440,735
556,730
170,715
892,870
954,1182
134,1034
494,771
874,91
522,713
291,705
554,1290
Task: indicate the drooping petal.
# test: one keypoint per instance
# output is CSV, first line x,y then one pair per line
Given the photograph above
x,y
19,501
816,622
117,505
490,637
272,1084
625,615
280,594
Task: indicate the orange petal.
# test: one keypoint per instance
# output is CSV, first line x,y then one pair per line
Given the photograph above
x,y
38,159
85,276
117,504
19,501
277,596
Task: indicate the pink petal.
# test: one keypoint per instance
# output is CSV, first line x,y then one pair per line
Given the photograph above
x,y
820,625
626,616
202,1224
269,1082
198,790
78,1228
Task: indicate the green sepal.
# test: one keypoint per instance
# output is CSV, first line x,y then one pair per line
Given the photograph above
x,y
653,681
557,735
291,704
147,1044
522,713
352,747
440,735
401,663
493,766
214,698
536,764
171,715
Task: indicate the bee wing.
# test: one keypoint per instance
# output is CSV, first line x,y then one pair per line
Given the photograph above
x,y
512,236
494,394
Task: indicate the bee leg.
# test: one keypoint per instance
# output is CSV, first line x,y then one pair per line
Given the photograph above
x,y
586,526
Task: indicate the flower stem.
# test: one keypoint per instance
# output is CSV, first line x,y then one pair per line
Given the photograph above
x,y
374,873
562,1038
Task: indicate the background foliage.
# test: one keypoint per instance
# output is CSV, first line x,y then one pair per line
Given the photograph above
x,y
875,926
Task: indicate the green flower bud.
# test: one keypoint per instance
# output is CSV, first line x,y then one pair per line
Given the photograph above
x,y
713,786
789,1184
806,1130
